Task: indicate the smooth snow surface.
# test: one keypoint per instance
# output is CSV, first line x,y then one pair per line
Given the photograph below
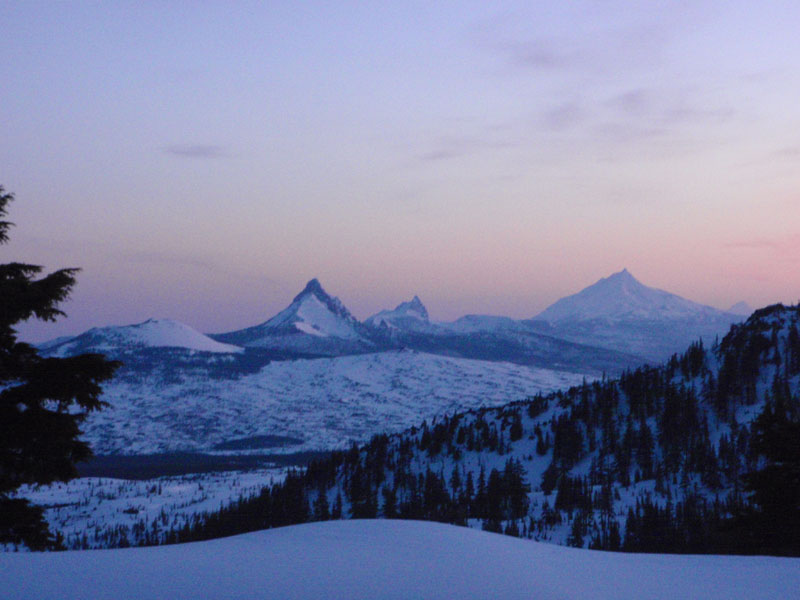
x,y
153,333
388,560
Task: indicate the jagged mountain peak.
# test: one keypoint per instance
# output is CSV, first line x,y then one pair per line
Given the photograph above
x,y
413,307
406,315
312,287
314,322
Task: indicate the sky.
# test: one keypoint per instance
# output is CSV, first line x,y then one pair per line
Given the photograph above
x,y
202,160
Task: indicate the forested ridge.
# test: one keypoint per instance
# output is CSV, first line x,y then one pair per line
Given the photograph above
x,y
697,455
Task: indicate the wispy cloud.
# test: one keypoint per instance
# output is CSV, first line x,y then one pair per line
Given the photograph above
x,y
754,244
687,113
536,54
632,102
787,247
450,146
627,131
196,151
163,258
666,106
563,116
788,152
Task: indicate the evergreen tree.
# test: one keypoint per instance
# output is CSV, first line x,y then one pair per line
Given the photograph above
x,y
43,400
776,487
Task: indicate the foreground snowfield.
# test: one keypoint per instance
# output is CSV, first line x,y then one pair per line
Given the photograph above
x,y
384,560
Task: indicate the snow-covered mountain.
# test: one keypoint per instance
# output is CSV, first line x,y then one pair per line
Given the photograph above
x,y
182,390
153,333
389,560
622,297
408,316
620,313
314,322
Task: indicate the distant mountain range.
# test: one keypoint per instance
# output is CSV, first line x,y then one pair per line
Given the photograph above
x,y
181,389
616,323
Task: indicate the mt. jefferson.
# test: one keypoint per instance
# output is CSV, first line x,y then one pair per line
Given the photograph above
x,y
620,313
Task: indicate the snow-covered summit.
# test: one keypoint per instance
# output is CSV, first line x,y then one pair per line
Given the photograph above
x,y
314,322
621,297
315,312
407,314
153,333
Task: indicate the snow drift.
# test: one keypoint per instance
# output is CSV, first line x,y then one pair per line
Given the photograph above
x,y
387,560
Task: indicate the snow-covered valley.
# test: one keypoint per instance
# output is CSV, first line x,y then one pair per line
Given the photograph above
x,y
325,402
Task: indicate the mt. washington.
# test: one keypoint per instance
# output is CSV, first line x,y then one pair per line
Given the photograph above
x,y
314,322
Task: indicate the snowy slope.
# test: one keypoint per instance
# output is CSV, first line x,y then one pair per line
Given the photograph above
x,y
153,333
326,401
384,560
314,322
741,308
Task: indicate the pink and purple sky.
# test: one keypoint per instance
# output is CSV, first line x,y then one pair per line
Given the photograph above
x,y
202,161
